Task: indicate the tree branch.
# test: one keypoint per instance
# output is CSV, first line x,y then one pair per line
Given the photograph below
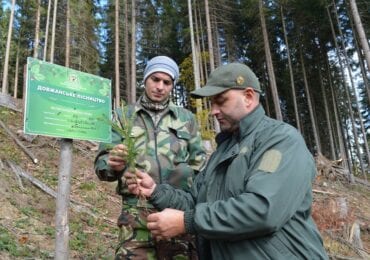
x,y
19,143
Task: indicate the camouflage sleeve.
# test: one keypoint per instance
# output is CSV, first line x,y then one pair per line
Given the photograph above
x,y
197,156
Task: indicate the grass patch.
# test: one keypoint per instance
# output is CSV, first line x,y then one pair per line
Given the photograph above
x,y
88,186
9,243
49,177
78,239
30,211
48,231
22,223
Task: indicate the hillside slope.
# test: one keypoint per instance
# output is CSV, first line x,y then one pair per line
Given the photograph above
x,y
27,213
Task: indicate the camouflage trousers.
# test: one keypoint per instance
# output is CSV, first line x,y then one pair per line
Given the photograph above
x,y
136,242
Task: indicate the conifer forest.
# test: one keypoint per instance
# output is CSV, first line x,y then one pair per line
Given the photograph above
x,y
312,57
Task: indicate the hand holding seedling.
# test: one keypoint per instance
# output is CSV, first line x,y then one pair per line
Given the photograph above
x,y
140,183
116,158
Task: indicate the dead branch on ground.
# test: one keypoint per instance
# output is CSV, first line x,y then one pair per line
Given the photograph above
x,y
79,207
333,170
12,166
360,252
9,102
19,143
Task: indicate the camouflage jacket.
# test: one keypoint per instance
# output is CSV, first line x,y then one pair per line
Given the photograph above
x,y
170,152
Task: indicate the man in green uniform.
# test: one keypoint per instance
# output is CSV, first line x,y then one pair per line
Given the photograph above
x,y
253,200
168,147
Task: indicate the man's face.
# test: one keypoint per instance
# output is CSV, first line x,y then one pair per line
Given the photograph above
x,y
158,86
229,108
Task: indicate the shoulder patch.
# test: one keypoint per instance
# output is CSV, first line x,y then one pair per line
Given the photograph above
x,y
270,161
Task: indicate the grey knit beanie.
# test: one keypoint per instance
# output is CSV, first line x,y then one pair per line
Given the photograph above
x,y
162,64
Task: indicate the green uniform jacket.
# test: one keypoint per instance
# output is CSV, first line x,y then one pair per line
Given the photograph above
x,y
171,152
253,200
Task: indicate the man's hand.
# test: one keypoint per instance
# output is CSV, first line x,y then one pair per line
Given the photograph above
x,y
166,224
140,183
115,158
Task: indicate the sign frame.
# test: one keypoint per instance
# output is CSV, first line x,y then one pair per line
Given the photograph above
x,y
66,103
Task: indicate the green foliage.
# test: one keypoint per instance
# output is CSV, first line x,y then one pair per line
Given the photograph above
x,y
8,147
78,239
206,131
6,114
49,176
124,128
187,71
50,231
88,186
22,222
84,39
30,212
9,244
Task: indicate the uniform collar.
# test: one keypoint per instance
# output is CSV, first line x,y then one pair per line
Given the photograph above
x,y
246,125
171,108
251,120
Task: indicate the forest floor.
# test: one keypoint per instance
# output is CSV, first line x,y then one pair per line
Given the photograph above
x,y
27,212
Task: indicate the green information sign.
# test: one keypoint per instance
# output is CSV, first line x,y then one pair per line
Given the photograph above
x,y
66,103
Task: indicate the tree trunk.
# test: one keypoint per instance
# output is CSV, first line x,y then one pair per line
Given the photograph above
x,y
361,32
209,37
363,71
296,113
270,66
53,31
47,31
198,24
209,123
342,147
116,56
361,59
194,57
37,30
133,52
127,54
348,97
267,95
328,122
310,108
347,143
4,87
193,47
218,58
353,89
15,94
68,34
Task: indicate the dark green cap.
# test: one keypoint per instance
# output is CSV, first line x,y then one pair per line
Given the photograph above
x,y
230,76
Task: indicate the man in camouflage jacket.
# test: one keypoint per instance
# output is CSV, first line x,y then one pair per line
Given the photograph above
x,y
169,149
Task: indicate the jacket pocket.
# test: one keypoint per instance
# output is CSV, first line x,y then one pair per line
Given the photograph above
x,y
179,145
276,249
137,132
139,135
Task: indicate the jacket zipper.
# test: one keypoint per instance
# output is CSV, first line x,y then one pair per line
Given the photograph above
x,y
156,153
156,131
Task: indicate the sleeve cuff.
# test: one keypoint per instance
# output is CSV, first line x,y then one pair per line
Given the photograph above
x,y
189,222
158,192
